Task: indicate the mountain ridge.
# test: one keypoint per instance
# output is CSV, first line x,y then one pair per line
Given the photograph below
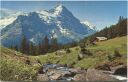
x,y
58,23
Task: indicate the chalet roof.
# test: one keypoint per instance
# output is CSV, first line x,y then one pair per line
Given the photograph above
x,y
101,38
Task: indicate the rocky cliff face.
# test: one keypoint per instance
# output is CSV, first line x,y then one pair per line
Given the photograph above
x,y
58,23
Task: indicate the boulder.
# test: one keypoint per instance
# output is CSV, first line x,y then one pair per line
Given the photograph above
x,y
60,52
41,71
121,70
42,77
51,72
97,75
55,76
80,56
77,70
105,67
80,77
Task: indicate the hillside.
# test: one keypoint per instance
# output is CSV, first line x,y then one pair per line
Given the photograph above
x,y
16,66
25,67
110,45
100,52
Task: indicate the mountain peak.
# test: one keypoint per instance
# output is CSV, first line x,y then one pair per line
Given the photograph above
x,y
58,22
59,6
59,9
88,24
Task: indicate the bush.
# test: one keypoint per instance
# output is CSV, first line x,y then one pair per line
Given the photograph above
x,y
85,52
77,48
67,50
114,56
110,57
117,53
16,70
82,45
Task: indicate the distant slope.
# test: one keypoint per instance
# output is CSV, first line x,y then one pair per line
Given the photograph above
x,y
110,45
100,52
113,31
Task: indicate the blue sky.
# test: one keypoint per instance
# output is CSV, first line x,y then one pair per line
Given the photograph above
x,y
99,13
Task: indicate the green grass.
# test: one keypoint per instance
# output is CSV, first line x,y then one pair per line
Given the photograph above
x,y
102,50
100,54
14,68
110,45
65,58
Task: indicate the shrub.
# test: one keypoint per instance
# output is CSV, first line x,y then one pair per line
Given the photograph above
x,y
85,52
110,57
77,48
80,57
117,53
114,56
16,70
67,50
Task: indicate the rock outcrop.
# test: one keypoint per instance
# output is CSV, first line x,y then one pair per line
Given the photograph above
x,y
60,72
97,75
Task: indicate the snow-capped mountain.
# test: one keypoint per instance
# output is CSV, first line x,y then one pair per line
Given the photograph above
x,y
91,28
87,23
58,23
8,16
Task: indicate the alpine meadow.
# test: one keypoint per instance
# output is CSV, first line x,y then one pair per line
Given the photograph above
x,y
63,41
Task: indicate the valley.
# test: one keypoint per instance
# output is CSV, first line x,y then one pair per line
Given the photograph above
x,y
61,41
30,66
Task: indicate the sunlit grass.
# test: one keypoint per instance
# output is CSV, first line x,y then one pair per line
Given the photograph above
x,y
11,59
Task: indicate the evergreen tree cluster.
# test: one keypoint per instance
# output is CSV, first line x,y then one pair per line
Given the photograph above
x,y
46,46
117,30
43,47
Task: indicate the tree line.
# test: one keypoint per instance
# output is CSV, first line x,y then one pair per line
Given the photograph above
x,y
51,45
117,30
46,46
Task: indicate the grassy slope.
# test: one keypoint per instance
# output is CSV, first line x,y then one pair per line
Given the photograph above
x,y
64,58
110,45
13,66
13,61
100,54
101,51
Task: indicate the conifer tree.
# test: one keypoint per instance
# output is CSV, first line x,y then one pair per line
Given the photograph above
x,y
16,47
23,46
38,49
31,49
46,44
54,44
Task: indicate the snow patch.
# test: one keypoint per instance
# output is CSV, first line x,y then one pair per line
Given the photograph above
x,y
58,9
87,23
6,21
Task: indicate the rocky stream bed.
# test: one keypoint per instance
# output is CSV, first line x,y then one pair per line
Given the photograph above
x,y
53,72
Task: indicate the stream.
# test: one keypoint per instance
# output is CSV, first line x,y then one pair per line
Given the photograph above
x,y
55,72
119,77
60,72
